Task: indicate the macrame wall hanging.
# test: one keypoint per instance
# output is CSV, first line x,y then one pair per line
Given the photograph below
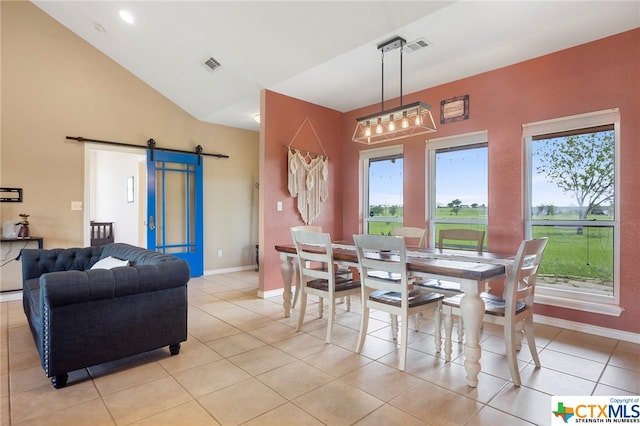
x,y
308,175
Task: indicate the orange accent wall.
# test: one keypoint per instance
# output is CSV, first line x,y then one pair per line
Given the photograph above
x,y
591,77
283,116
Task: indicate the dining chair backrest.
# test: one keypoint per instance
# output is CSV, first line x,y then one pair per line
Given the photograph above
x,y
521,277
311,228
414,235
383,263
468,236
314,246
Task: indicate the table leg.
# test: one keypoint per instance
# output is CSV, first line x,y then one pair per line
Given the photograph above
x,y
286,269
472,311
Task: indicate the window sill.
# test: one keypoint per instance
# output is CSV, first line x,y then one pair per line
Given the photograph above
x,y
597,307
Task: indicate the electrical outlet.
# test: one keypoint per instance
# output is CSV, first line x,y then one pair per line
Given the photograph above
x,y
219,253
279,206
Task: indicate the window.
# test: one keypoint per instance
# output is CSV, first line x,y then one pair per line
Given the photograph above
x,y
383,189
571,199
457,183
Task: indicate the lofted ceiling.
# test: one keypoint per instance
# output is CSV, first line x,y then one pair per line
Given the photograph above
x,y
325,52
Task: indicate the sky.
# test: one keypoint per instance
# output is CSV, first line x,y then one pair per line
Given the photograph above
x,y
458,176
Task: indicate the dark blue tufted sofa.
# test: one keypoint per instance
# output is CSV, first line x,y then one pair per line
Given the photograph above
x,y
81,317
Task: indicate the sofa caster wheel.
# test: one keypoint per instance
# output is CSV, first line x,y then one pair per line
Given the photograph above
x,y
59,381
174,349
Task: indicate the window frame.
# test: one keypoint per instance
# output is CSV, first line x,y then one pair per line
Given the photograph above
x,y
467,140
365,157
601,304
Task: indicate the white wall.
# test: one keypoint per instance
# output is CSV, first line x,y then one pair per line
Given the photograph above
x,y
109,202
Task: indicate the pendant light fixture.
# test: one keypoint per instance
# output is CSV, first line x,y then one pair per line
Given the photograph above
x,y
396,123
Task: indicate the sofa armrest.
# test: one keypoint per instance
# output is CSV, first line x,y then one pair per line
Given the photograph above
x,y
68,287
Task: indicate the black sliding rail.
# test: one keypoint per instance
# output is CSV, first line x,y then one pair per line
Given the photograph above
x,y
151,144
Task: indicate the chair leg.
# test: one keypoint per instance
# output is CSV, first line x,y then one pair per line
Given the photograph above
x,y
320,307
331,318
394,327
519,334
417,321
403,342
348,303
448,331
437,319
461,329
510,349
531,340
296,294
364,325
303,309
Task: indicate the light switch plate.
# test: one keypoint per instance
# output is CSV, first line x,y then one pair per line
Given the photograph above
x,y
76,205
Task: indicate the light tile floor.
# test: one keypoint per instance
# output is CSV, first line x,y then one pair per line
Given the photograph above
x,y
244,363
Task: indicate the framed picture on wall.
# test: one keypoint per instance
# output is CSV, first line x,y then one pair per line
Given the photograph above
x,y
454,109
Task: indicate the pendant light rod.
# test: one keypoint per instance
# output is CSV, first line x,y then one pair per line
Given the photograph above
x,y
382,81
393,44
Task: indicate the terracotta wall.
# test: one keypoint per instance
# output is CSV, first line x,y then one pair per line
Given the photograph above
x,y
591,77
283,117
54,84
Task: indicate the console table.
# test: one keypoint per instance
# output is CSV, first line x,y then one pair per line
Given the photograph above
x,y
12,266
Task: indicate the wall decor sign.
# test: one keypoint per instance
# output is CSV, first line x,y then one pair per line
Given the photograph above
x,y
454,109
11,195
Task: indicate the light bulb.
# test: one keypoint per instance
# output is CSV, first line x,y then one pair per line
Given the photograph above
x,y
367,130
379,126
405,121
392,124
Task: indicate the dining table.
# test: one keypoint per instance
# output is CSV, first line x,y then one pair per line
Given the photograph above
x,y
469,268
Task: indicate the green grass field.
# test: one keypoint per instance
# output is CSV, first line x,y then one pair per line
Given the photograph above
x,y
569,256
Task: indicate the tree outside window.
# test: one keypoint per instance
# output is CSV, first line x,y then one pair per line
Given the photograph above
x,y
572,203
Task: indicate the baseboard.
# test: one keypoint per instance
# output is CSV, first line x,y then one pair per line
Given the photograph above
x,y
273,293
611,333
595,330
229,270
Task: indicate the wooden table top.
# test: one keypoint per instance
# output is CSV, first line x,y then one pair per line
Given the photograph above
x,y
453,263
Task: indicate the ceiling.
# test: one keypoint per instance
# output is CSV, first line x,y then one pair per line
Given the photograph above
x,y
325,52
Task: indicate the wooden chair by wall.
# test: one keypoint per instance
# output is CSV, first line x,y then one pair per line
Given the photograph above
x,y
463,239
414,237
101,233
471,238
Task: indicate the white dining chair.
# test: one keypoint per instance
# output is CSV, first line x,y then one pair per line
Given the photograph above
x,y
386,287
414,237
313,247
515,308
452,239
342,272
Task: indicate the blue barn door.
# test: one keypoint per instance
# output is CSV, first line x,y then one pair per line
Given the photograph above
x,y
174,206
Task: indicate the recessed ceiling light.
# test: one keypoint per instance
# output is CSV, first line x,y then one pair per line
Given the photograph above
x,y
126,16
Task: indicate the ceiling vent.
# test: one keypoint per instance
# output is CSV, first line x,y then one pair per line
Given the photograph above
x,y
212,64
418,44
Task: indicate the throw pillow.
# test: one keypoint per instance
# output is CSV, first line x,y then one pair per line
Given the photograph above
x,y
109,262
